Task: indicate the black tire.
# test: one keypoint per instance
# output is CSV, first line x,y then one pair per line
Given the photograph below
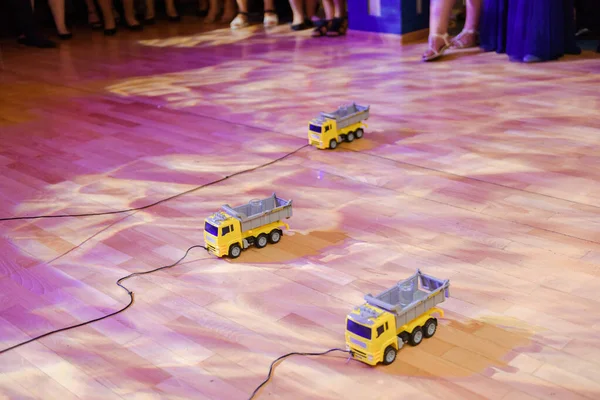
x,y
389,356
235,250
275,236
430,327
261,241
350,137
333,144
359,133
416,337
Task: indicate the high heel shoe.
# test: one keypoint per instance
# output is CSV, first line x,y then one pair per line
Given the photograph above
x,y
65,36
110,32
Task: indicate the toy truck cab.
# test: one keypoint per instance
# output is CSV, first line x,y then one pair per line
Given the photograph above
x,y
369,330
221,231
345,124
405,313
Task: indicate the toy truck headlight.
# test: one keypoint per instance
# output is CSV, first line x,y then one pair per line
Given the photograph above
x,y
370,358
347,348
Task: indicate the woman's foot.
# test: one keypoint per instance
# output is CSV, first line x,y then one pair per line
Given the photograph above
x,y
94,20
240,21
270,19
464,40
438,44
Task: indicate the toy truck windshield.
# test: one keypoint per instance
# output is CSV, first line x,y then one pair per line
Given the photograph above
x,y
315,128
213,230
358,329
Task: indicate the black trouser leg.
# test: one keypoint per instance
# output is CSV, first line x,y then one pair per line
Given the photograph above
x,y
24,19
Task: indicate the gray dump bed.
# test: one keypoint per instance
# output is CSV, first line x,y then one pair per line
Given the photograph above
x,y
348,115
411,297
260,212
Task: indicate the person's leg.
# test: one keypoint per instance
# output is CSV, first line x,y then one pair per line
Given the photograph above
x,y
57,7
439,18
25,21
130,20
311,9
468,36
229,10
150,12
106,7
270,18
241,20
172,11
93,18
297,12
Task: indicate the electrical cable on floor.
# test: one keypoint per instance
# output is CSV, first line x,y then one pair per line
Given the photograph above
x,y
162,200
287,355
129,292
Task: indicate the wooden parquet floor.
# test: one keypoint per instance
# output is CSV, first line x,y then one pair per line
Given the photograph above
x,y
473,168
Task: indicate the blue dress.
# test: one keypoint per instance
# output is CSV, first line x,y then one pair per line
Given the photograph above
x,y
493,25
529,30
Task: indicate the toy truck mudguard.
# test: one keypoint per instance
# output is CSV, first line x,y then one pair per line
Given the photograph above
x,y
402,314
258,222
344,124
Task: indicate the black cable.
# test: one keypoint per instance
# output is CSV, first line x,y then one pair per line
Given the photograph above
x,y
287,355
159,201
129,292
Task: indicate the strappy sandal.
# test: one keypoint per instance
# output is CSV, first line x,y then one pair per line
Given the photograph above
x,y
462,40
432,53
239,21
270,19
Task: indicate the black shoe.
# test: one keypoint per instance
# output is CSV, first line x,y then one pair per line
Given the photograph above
x,y
175,18
202,13
65,36
35,41
110,32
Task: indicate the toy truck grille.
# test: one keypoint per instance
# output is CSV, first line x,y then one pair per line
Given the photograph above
x,y
260,212
411,297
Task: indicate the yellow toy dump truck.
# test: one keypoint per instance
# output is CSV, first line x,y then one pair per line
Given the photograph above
x,y
258,222
402,314
345,124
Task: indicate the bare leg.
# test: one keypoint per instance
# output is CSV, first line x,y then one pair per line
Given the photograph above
x,y
213,10
270,18
337,9
129,11
329,9
297,11
171,10
241,20
311,9
438,27
58,12
93,18
229,10
468,36
150,10
107,14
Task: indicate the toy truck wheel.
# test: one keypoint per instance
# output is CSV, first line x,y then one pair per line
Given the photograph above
x,y
275,236
416,337
430,327
261,241
389,356
333,144
350,137
359,133
235,250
